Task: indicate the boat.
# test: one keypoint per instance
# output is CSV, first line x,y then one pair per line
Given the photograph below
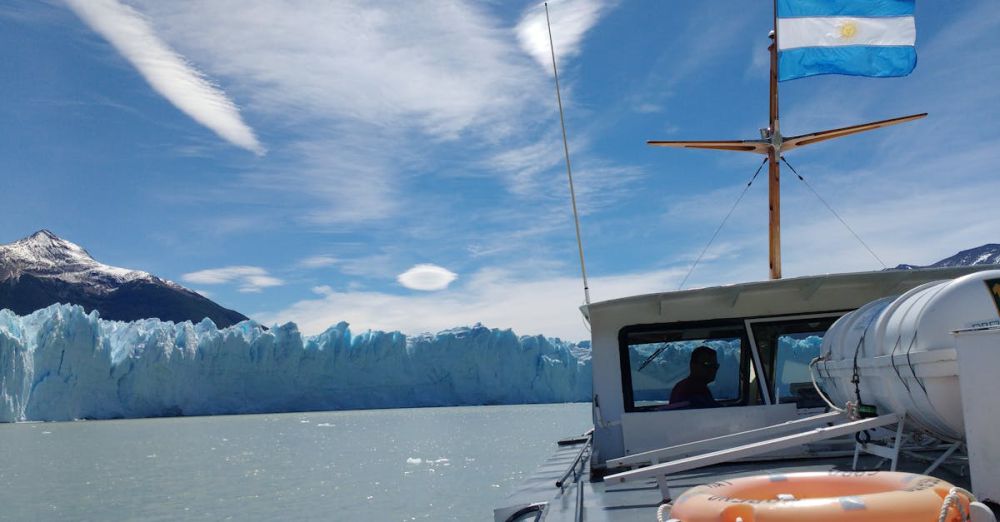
x,y
822,383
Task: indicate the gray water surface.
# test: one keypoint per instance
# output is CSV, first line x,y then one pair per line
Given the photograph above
x,y
405,464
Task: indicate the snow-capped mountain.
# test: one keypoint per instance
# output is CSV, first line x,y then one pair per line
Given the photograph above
x,y
43,269
45,255
988,254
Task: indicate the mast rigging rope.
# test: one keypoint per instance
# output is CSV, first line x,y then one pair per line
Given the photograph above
x,y
719,229
835,214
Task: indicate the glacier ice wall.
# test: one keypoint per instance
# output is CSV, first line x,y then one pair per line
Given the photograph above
x,y
60,363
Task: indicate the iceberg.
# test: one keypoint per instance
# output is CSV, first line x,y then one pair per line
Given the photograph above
x,y
61,363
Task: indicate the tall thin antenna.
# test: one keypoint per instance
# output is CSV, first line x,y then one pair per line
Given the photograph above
x,y
569,169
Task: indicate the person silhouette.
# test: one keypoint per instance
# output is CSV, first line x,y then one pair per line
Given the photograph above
x,y
692,391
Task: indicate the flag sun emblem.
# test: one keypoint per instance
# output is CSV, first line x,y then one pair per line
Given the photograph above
x,y
848,29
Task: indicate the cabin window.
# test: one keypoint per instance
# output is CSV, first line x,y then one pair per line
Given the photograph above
x,y
786,347
656,359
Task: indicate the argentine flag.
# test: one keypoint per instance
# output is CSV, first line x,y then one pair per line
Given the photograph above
x,y
855,37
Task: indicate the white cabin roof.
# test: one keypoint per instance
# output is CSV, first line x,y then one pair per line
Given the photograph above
x,y
820,293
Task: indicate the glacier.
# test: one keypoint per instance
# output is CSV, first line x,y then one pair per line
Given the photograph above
x,y
61,363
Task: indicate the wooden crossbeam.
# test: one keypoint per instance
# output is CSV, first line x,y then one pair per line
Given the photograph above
x,y
816,137
755,146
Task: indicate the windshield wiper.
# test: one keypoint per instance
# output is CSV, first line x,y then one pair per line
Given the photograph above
x,y
651,357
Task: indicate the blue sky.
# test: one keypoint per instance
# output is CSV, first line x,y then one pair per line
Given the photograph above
x,y
398,165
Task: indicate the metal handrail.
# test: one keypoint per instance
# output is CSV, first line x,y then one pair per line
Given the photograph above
x,y
538,509
572,469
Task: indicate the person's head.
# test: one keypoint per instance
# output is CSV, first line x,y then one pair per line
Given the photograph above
x,y
704,364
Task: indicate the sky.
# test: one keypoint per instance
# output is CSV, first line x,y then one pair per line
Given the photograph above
x,y
399,165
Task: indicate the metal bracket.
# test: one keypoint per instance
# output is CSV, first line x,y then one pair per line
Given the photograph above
x,y
748,450
890,453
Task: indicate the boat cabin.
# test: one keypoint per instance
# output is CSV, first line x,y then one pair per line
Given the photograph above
x,y
764,336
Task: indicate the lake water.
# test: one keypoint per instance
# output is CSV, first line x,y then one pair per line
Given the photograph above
x,y
405,464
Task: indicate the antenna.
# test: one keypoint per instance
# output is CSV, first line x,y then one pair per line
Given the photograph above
x,y
569,169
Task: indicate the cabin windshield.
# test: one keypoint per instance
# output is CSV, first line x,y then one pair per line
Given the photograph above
x,y
760,361
660,358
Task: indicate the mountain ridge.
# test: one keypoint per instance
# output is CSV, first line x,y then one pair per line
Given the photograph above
x,y
44,269
987,254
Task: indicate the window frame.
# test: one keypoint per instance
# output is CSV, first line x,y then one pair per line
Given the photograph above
x,y
626,367
748,347
769,380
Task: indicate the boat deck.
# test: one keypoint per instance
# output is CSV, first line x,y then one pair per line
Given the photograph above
x,y
639,501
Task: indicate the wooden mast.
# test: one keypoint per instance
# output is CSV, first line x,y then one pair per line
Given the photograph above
x,y
773,144
773,167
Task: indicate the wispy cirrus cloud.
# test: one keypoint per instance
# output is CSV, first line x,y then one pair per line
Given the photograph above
x,y
571,19
438,67
249,278
166,71
364,93
318,261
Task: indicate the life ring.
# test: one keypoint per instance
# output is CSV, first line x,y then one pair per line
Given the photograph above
x,y
817,497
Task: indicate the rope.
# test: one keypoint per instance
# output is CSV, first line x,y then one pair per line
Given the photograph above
x,y
822,395
834,212
953,499
569,169
913,371
719,229
856,377
663,512
892,359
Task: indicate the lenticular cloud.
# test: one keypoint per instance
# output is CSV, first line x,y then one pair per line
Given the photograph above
x,y
427,277
166,71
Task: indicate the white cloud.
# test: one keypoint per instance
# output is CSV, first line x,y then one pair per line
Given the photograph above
x,y
323,290
166,71
426,277
440,67
525,166
318,261
249,278
367,92
570,19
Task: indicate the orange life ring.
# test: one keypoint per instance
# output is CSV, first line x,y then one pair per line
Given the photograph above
x,y
817,497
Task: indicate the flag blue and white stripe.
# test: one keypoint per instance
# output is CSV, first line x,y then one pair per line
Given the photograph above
x,y
855,37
